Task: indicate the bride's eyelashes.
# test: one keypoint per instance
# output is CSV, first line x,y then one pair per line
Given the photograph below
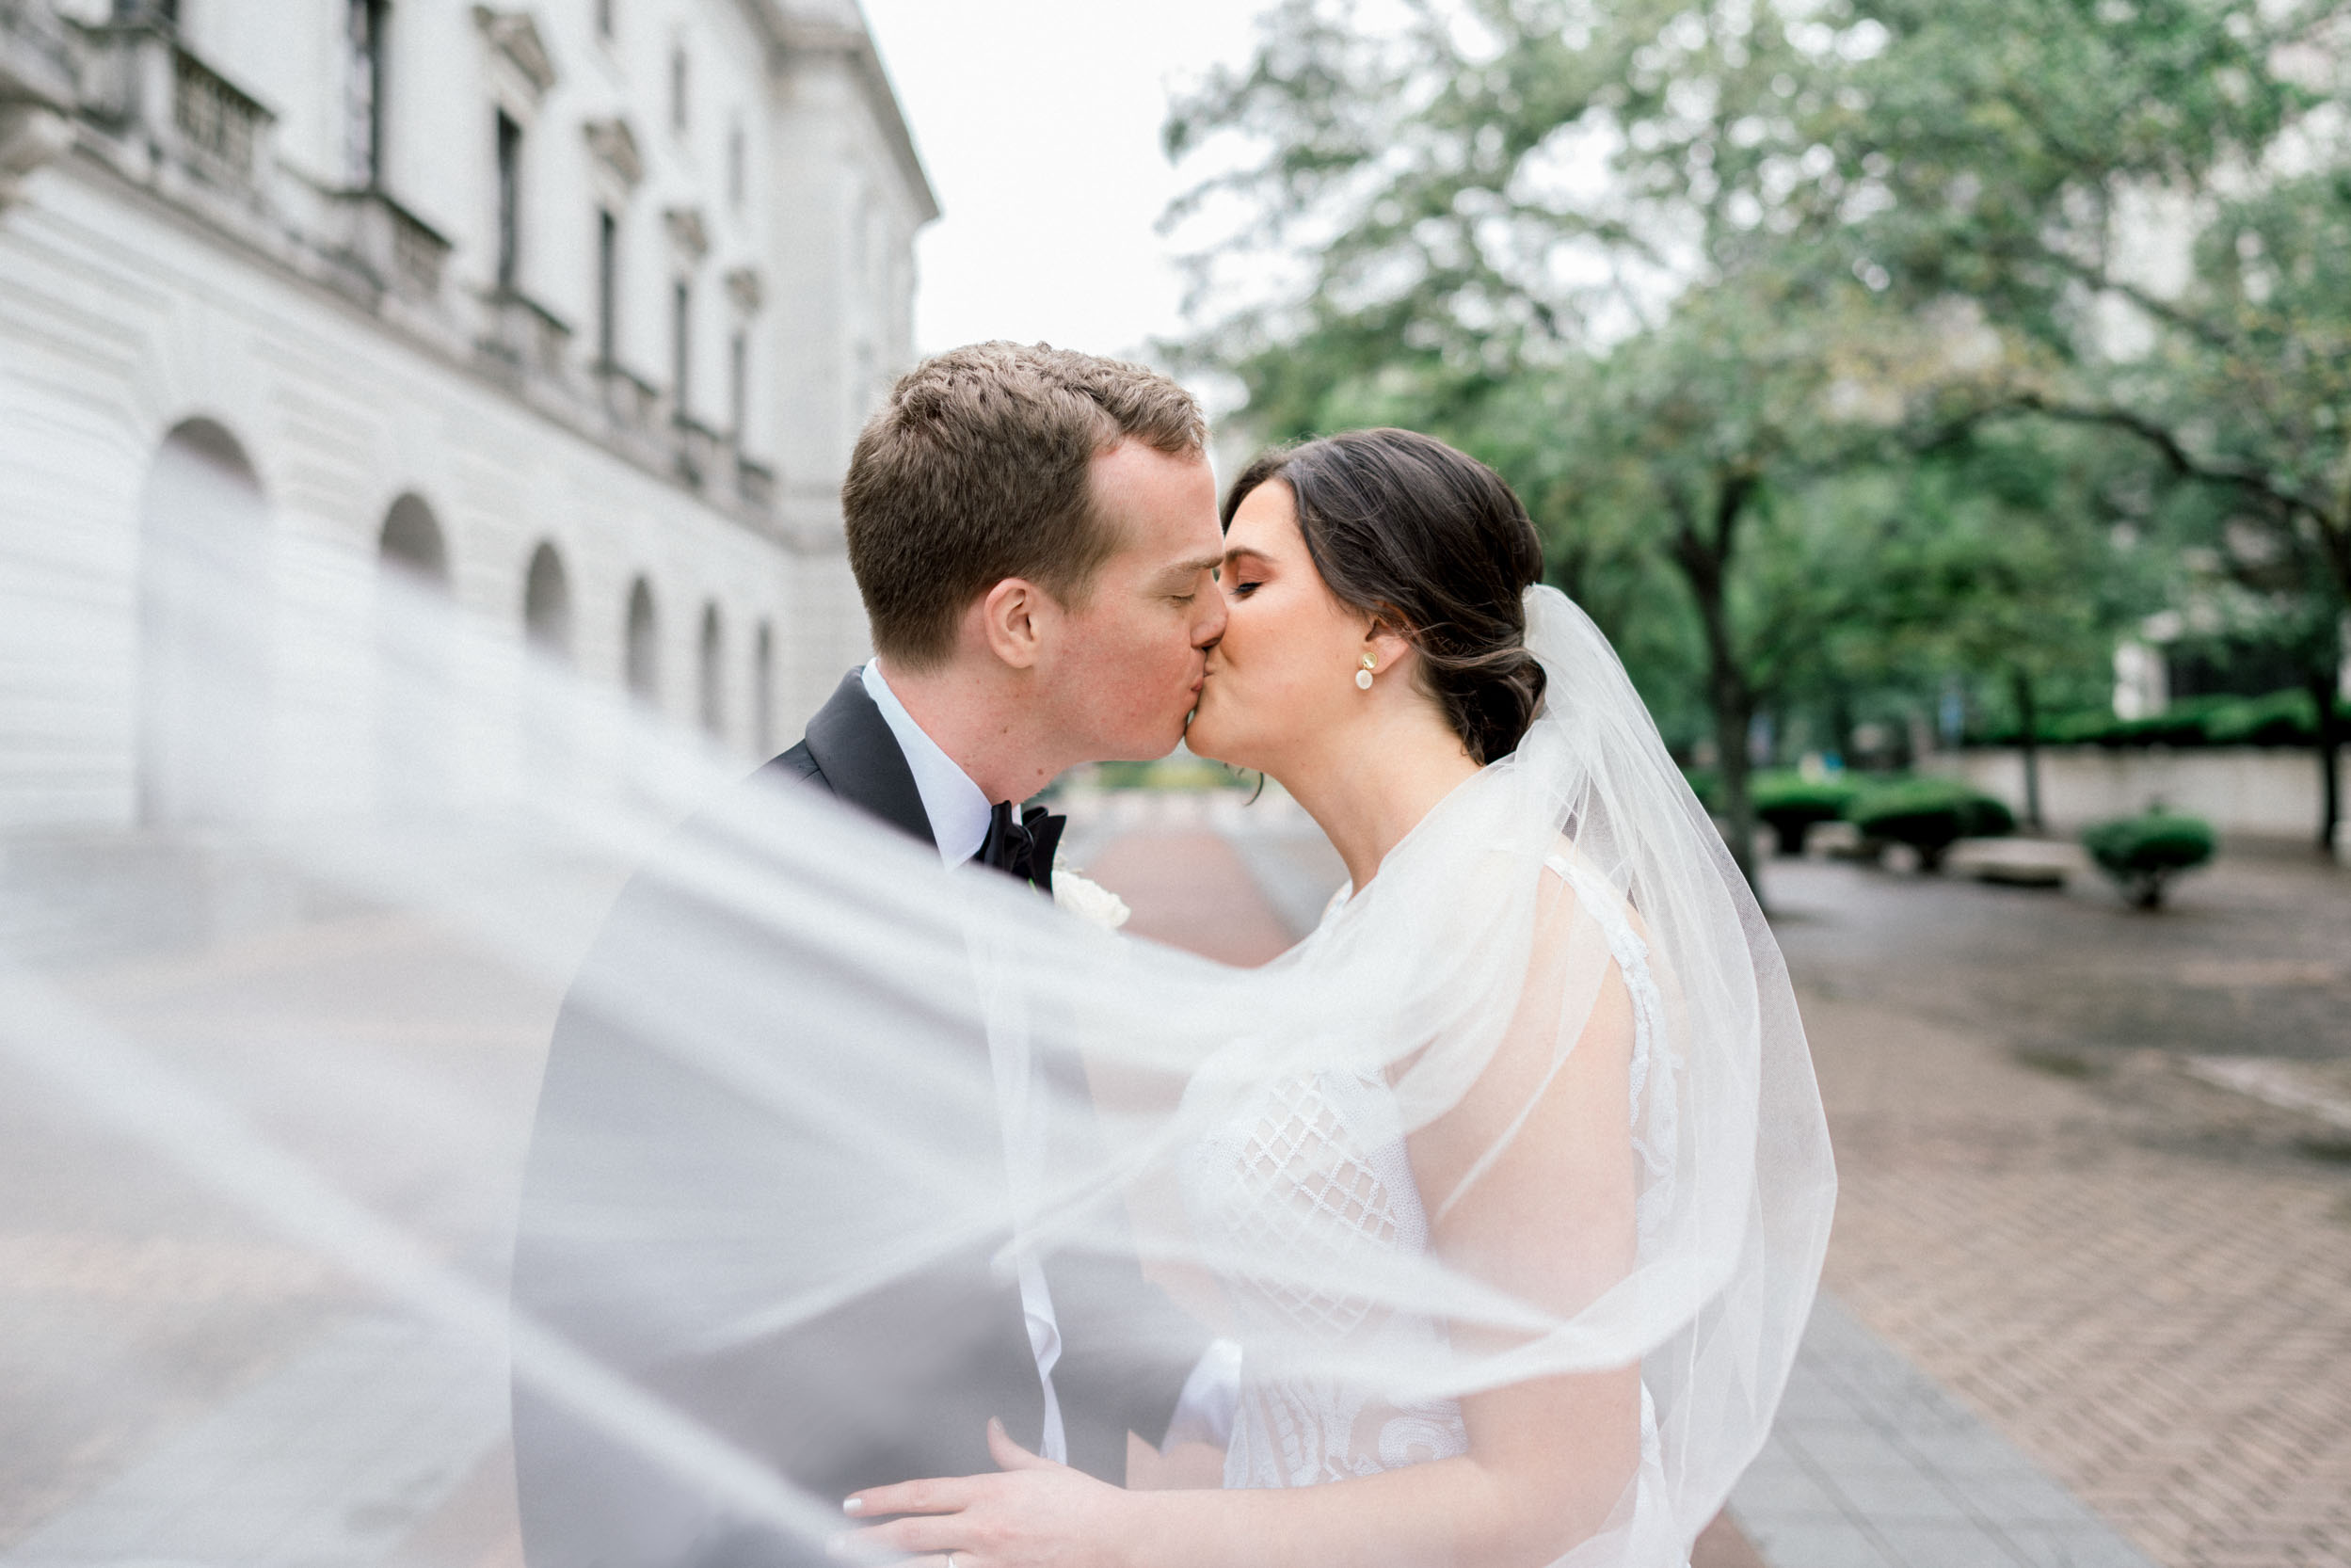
x,y
1243,588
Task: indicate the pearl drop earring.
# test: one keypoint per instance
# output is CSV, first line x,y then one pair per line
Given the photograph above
x,y
1363,675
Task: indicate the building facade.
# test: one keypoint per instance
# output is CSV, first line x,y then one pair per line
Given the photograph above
x,y
569,311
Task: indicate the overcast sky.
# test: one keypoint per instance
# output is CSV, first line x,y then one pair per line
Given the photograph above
x,y
1039,124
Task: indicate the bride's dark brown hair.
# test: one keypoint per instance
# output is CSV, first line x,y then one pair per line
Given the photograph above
x,y
1432,543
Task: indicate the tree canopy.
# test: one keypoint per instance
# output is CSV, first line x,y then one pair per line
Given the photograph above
x,y
1837,345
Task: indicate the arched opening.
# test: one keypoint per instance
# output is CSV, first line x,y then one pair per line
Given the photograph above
x,y
710,684
412,544
547,633
204,622
413,659
547,604
763,690
642,668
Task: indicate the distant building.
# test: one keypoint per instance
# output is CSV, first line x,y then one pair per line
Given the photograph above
x,y
571,309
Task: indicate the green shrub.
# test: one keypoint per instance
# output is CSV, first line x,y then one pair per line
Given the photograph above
x,y
1167,773
2180,724
1929,815
2144,852
1791,803
2078,728
1987,817
2281,719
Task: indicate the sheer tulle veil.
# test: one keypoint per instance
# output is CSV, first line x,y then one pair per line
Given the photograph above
x,y
1462,978
806,989
1481,951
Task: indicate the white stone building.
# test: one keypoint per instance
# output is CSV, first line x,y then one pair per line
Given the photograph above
x,y
573,307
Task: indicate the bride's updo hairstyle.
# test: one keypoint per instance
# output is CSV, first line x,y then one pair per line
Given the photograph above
x,y
1431,542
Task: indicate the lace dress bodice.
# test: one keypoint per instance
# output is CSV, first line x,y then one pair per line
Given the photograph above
x,y
1313,1172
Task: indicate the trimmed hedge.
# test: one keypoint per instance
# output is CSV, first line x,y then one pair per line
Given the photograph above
x,y
1929,815
2144,852
1791,804
2287,718
1167,773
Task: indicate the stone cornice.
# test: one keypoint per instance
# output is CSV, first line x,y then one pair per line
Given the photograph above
x,y
516,38
745,289
688,235
838,30
614,147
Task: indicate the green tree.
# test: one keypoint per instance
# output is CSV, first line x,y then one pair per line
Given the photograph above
x,y
2000,560
2147,202
1509,212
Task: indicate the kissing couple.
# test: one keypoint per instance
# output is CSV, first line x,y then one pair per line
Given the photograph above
x,y
885,1210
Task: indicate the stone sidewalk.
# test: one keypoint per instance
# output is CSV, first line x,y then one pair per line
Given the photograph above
x,y
1873,1464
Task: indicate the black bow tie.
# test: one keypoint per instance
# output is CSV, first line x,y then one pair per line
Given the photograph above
x,y
1023,847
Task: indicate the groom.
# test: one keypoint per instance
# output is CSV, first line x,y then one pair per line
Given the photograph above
x,y
1034,535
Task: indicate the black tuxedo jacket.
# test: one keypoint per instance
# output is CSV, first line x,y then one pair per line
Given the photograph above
x,y
663,1208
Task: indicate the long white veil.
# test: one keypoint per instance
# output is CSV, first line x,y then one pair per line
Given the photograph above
x,y
773,1102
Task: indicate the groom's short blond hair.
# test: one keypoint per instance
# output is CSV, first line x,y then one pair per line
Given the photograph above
x,y
978,469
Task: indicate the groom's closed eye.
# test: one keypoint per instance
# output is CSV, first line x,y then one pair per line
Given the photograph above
x,y
1182,583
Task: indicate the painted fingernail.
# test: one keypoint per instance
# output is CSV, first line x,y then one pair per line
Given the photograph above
x,y
852,1505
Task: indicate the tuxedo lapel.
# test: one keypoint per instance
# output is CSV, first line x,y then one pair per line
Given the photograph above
x,y
858,758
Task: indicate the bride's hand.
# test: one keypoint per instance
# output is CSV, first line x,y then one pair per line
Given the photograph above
x,y
1034,1513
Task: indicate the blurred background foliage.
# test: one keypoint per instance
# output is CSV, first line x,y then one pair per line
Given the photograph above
x,y
1872,367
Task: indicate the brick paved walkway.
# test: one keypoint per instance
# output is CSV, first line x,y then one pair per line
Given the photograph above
x,y
2143,1280
2137,1279
1191,889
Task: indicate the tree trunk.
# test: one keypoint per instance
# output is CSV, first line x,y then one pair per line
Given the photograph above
x,y
1734,717
1704,557
2029,721
2323,684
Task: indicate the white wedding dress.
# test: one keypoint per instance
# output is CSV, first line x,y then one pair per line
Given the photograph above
x,y
1316,1169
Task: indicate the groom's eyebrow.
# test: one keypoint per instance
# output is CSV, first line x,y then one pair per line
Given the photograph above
x,y
1184,571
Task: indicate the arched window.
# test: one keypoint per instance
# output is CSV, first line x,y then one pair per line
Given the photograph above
x,y
203,615
642,670
763,690
547,718
547,604
412,660
712,683
412,544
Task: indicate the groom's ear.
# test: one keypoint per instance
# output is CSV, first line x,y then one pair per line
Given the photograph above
x,y
1012,621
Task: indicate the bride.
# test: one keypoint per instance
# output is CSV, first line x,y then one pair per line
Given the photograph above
x,y
1517,1238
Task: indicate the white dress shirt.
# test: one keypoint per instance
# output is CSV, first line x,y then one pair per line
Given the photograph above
x,y
958,811
957,806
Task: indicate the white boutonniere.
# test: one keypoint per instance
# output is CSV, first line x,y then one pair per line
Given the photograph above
x,y
1089,900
